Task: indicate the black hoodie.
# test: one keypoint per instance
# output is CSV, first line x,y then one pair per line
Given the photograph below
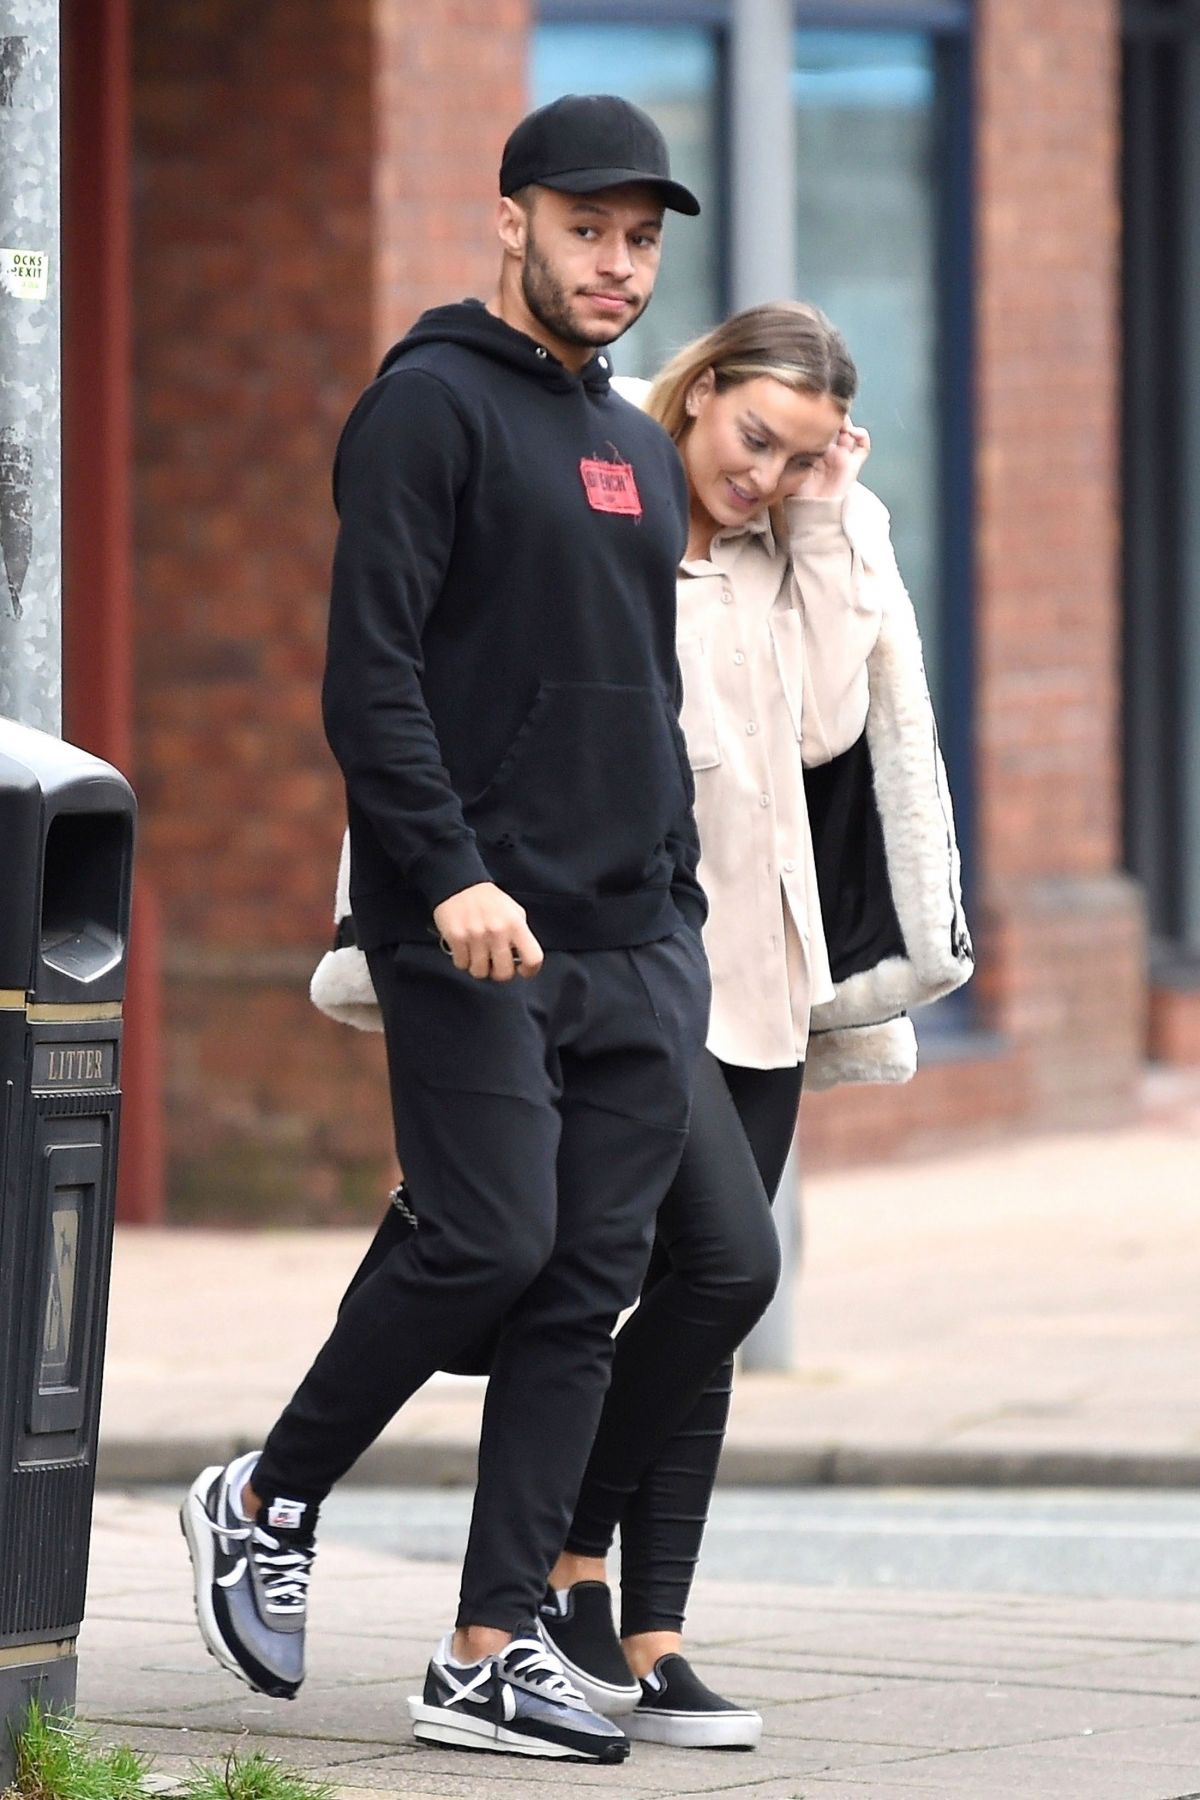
x,y
501,689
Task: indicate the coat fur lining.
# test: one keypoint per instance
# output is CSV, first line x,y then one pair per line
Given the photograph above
x,y
341,989
341,986
883,1052
915,813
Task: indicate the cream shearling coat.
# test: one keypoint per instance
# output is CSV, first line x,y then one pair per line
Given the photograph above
x,y
773,645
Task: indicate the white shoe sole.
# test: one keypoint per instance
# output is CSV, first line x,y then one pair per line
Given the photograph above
x,y
609,1702
194,1523
436,1725
697,1731
197,1531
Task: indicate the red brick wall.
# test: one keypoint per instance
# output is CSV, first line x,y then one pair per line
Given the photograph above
x,y
950,1103
451,85
308,174
1048,372
1175,1025
1062,931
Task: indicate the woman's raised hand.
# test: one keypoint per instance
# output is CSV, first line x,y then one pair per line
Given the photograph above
x,y
835,473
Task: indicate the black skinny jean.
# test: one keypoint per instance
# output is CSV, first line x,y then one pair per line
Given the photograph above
x,y
713,1273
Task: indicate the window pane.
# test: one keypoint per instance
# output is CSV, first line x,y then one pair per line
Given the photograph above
x,y
866,253
672,72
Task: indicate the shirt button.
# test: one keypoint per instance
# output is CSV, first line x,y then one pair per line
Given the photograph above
x,y
738,658
764,799
726,597
751,728
789,865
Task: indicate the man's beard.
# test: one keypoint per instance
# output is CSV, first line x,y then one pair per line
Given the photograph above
x,y
549,302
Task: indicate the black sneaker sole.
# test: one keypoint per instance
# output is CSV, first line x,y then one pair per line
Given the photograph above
x,y
199,1543
456,1731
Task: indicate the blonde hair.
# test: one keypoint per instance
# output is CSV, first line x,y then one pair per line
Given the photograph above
x,y
788,340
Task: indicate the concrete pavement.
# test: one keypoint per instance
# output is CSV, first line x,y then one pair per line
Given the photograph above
x,y
1024,1312
866,1695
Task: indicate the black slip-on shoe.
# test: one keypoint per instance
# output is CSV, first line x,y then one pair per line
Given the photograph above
x,y
577,1623
676,1708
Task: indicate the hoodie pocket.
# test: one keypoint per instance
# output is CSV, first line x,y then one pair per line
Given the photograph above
x,y
586,793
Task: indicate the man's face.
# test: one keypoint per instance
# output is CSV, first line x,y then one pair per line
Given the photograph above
x,y
591,261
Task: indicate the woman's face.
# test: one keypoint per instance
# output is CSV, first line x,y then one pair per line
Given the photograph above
x,y
753,445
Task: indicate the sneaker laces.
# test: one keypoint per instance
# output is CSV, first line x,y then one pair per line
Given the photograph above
x,y
284,1570
540,1669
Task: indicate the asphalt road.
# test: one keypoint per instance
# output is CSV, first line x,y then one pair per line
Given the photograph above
x,y
1138,1544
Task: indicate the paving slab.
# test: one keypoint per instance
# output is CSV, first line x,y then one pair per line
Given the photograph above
x,y
868,1695
1018,1773
949,1715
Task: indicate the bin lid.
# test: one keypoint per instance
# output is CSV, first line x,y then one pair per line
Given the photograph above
x,y
56,766
66,849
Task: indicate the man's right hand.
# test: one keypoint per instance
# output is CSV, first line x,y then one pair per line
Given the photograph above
x,y
485,932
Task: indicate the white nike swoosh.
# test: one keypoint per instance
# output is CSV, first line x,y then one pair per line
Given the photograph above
x,y
234,1576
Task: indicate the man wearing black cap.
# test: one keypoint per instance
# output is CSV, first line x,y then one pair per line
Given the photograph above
x,y
501,692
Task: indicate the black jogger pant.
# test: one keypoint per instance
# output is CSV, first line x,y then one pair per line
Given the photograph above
x,y
714,1270
541,1122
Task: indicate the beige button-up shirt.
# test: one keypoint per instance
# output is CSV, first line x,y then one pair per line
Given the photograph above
x,y
773,643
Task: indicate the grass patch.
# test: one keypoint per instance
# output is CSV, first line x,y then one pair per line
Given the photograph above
x,y
253,1777
59,1759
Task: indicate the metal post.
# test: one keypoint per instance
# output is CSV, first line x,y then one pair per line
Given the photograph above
x,y
771,1345
30,555
1187,456
30,394
763,219
763,152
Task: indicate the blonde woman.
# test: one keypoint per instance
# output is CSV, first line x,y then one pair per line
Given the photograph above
x,y
829,862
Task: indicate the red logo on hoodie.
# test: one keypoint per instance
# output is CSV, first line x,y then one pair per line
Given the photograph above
x,y
610,487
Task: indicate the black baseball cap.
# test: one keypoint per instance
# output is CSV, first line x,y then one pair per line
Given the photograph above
x,y
585,142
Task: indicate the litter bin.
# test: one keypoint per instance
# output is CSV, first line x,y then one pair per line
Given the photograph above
x,y
66,865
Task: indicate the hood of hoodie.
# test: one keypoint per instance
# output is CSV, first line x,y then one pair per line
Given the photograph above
x,y
468,322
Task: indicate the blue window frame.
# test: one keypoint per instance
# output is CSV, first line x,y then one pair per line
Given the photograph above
x,y
1161,485
884,244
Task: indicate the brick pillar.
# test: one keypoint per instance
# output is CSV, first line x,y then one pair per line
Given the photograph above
x,y
1060,927
252,298
450,86
98,649
307,178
